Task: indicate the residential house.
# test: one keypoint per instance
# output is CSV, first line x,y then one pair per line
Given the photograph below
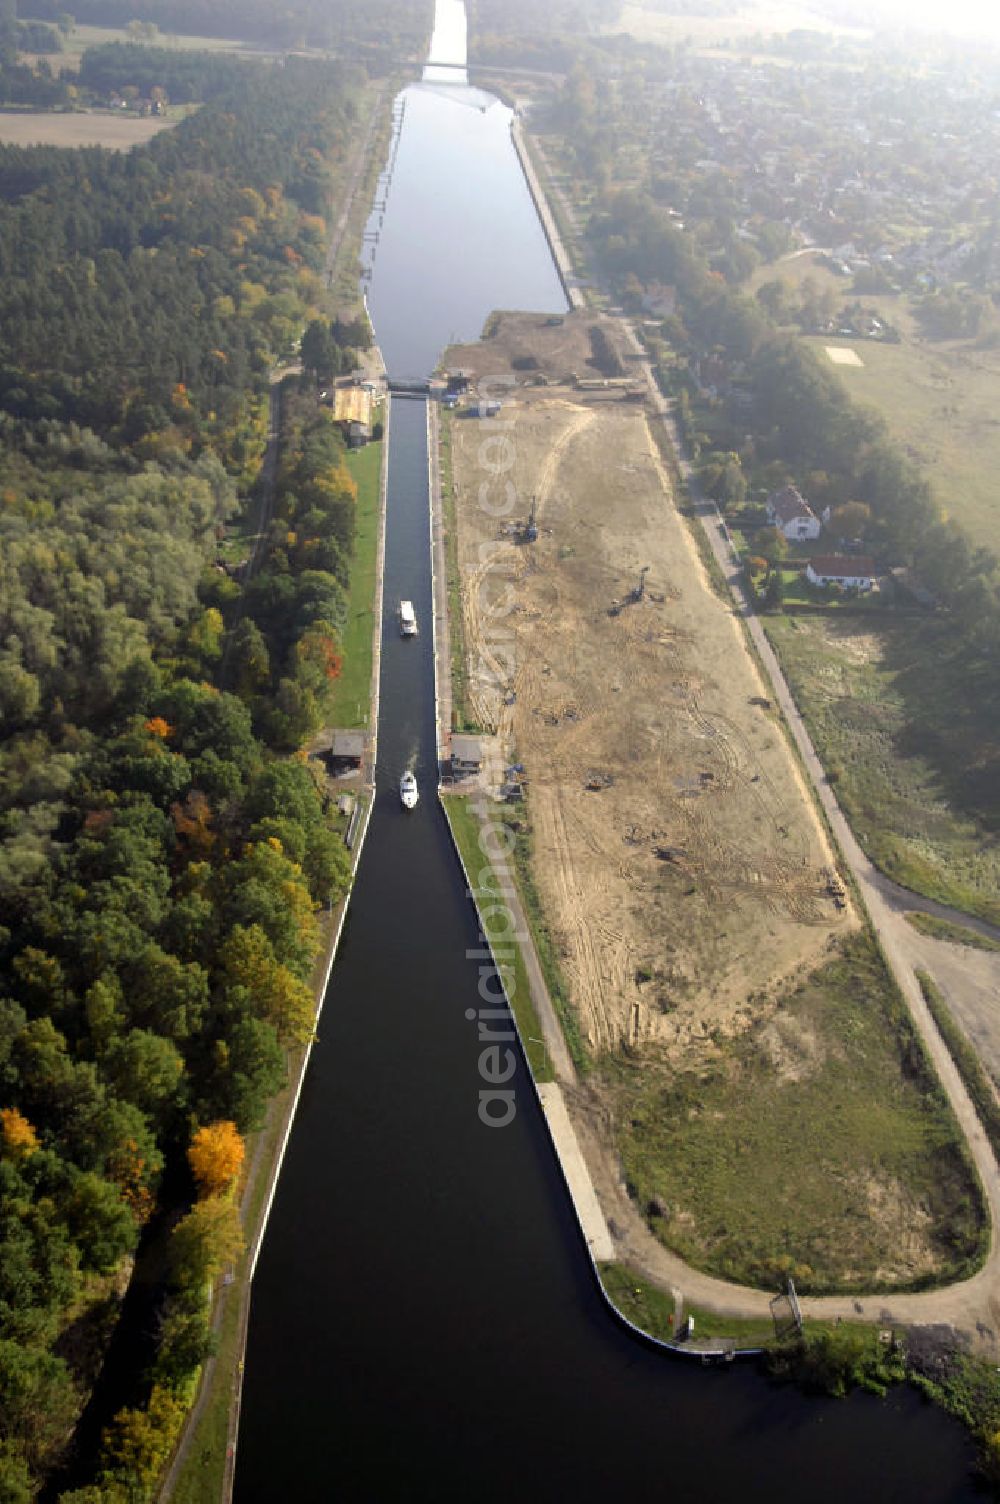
x,y
855,573
791,514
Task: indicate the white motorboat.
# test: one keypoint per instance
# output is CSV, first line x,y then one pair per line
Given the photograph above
x,y
408,790
407,619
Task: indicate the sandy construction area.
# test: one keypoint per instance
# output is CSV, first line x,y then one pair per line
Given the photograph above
x,y
681,866
119,132
841,355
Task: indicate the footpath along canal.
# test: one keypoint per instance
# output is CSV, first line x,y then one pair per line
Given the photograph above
x,y
425,1322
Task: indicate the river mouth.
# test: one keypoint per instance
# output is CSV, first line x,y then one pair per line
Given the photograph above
x,y
425,1323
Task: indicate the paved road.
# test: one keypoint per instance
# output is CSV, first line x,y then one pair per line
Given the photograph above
x,y
903,901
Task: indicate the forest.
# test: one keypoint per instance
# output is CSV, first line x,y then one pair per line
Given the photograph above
x,y
523,33
163,861
396,26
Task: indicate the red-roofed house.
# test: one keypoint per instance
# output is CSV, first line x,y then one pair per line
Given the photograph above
x,y
857,573
792,515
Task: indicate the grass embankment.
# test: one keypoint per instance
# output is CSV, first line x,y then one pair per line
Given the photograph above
x,y
352,692
977,1082
202,1476
343,274
572,242
654,1311
466,829
818,1144
915,777
545,945
461,720
954,934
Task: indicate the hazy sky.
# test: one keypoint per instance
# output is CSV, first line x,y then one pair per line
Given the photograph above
x,y
968,17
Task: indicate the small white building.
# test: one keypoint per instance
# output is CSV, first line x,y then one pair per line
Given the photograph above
x,y
856,573
791,514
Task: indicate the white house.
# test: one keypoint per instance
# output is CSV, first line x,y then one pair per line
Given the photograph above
x,y
836,569
792,515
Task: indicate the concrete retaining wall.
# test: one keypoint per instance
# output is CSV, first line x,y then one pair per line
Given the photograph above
x,y
560,256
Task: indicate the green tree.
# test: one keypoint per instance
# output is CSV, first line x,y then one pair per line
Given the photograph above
x,y
248,1065
852,520
166,994
185,1340
8,33
283,999
138,1442
102,1226
144,1068
248,667
320,356
772,543
38,1401
15,1477
203,1243
774,594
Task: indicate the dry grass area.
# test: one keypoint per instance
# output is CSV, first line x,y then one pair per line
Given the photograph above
x,y
679,863
744,21
817,1144
82,37
529,347
72,130
940,398
915,772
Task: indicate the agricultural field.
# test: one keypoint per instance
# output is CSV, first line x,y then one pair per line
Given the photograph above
x,y
876,701
82,37
352,692
720,983
941,401
648,24
939,398
119,132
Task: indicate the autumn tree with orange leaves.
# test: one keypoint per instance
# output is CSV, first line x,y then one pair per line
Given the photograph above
x,y
215,1156
18,1136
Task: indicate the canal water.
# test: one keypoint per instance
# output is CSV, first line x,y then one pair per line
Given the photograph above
x,y
425,1323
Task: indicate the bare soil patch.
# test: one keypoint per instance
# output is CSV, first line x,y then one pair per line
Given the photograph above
x,y
680,865
532,347
842,355
120,133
